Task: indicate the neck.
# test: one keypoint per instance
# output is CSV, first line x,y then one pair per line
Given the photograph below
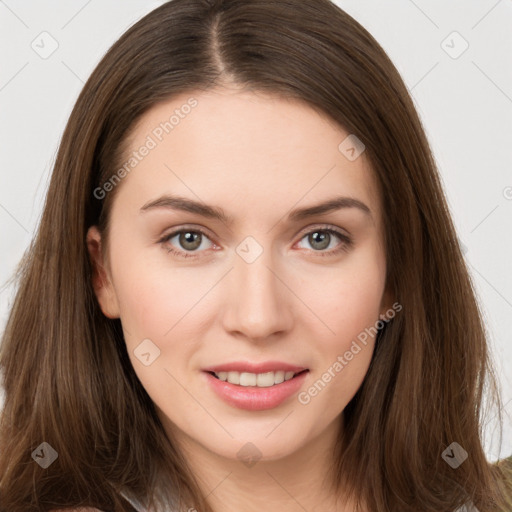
x,y
298,481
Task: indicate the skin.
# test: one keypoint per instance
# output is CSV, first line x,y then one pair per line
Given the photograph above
x,y
256,157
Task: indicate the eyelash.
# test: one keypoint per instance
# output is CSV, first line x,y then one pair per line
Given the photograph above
x,y
344,246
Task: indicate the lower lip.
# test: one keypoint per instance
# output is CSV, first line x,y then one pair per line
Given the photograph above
x,y
253,398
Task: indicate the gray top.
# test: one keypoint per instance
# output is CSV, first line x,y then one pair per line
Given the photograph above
x,y
136,505
139,507
465,508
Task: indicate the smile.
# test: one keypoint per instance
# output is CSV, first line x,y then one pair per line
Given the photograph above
x,y
261,380
255,392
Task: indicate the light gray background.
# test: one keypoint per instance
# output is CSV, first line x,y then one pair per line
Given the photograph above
x,y
464,100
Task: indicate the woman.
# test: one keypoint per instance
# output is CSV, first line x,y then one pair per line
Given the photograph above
x,y
179,341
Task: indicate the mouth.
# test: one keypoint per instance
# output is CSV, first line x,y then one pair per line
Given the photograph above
x,y
259,380
256,391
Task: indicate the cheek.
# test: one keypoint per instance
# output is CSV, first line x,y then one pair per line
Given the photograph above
x,y
161,305
348,298
155,299
349,305
160,301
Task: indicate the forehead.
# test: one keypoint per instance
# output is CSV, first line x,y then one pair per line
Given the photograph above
x,y
268,151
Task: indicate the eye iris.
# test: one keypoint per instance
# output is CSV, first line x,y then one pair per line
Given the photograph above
x,y
322,237
191,240
189,237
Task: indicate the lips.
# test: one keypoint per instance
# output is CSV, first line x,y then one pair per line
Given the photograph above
x,y
254,398
248,367
255,386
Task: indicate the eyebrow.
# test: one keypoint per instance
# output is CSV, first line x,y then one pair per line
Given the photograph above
x,y
215,212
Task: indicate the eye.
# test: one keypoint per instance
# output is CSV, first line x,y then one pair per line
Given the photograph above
x,y
322,237
190,240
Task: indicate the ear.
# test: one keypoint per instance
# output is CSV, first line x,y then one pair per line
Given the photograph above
x,y
101,281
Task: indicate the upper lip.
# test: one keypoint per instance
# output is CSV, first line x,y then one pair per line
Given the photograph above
x,y
263,367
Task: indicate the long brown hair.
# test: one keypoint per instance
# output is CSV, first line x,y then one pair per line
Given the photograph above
x,y
67,377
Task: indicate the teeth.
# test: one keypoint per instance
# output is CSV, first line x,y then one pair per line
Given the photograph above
x,y
261,380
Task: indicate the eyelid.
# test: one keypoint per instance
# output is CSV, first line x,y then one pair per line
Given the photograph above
x,y
301,233
185,227
344,235
324,226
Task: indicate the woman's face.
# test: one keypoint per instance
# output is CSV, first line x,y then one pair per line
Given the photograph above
x,y
265,284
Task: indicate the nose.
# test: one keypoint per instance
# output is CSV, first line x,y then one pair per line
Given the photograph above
x,y
259,303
